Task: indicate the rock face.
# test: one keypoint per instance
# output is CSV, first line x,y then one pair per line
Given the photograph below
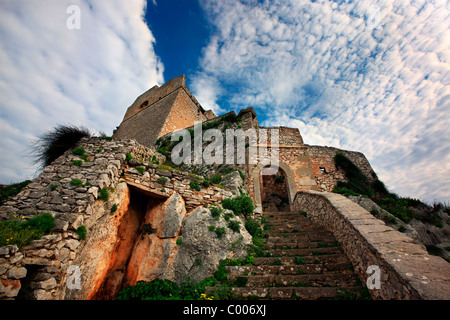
x,y
201,249
134,221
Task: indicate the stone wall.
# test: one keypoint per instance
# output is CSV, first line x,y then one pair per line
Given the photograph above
x,y
174,181
325,171
407,271
159,111
70,190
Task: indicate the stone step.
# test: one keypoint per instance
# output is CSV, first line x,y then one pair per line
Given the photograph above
x,y
312,239
289,260
289,269
307,293
303,280
293,244
278,232
304,252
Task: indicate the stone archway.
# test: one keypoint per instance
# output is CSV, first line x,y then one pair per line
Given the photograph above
x,y
258,186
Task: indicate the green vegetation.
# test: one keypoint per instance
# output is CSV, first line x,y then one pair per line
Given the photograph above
x,y
159,289
179,241
162,180
78,151
10,191
234,225
52,144
220,232
298,260
399,207
128,156
140,169
165,167
243,204
14,232
215,212
77,183
114,208
77,163
81,232
216,179
194,185
104,194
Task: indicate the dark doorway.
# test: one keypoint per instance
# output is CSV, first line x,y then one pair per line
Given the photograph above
x,y
274,191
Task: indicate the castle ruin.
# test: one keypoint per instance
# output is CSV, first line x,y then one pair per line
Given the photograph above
x,y
144,220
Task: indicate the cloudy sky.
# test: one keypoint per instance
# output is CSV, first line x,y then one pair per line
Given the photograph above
x,y
371,76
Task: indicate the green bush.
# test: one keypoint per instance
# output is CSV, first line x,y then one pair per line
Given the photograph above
x,y
78,151
220,232
179,241
194,185
81,231
22,232
114,208
298,260
253,227
77,183
159,289
162,180
128,156
52,144
104,194
215,212
77,163
234,225
216,179
243,204
140,170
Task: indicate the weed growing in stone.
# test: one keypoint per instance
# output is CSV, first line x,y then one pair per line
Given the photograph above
x,y
81,232
14,232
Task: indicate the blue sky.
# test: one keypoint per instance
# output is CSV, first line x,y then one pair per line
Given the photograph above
x,y
368,75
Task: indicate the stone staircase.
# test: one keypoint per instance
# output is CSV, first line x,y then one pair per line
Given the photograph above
x,y
304,262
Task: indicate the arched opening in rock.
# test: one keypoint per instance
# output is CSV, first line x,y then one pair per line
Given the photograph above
x,y
274,190
132,227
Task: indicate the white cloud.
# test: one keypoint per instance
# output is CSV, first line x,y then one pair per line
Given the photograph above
x,y
323,68
50,74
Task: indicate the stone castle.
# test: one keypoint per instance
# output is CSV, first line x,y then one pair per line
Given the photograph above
x,y
143,219
163,110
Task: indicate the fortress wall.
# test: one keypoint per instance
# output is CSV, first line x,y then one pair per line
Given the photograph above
x,y
153,95
323,157
407,271
184,112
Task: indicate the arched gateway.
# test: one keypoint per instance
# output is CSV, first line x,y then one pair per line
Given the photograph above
x,y
280,184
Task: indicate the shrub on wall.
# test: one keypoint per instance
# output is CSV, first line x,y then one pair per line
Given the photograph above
x,y
52,144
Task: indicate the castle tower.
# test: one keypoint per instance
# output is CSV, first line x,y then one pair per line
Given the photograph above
x,y
161,110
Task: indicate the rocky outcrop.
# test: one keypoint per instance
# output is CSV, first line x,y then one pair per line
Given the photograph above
x,y
137,225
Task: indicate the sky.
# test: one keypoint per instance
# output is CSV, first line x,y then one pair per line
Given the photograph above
x,y
370,76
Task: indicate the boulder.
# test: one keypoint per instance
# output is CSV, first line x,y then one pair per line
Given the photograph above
x,y
201,249
233,182
173,217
